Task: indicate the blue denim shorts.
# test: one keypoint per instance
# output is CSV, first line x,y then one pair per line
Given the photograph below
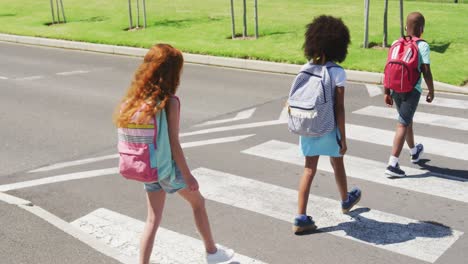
x,y
169,185
406,104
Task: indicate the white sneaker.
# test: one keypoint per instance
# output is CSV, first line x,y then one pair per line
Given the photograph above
x,y
220,256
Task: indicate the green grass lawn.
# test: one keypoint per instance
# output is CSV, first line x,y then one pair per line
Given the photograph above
x,y
204,27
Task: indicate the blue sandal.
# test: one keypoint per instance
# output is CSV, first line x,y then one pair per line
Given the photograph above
x,y
303,223
354,196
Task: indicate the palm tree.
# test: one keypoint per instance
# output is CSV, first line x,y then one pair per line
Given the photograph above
x,y
130,15
256,19
59,9
144,13
245,20
130,19
366,24
402,32
233,24
53,12
63,12
384,42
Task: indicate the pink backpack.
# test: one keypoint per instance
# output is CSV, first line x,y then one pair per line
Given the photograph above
x,y
401,72
145,151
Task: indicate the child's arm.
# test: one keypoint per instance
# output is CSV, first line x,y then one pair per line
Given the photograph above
x,y
172,111
426,71
388,97
340,117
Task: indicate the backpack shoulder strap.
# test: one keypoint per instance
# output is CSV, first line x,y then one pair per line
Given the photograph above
x,y
155,124
309,69
420,40
332,65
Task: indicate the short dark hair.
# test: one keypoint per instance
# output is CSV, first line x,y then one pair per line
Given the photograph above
x,y
327,35
415,23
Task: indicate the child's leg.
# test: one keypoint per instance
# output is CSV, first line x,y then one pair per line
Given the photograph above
x,y
340,176
155,204
399,139
406,105
197,201
348,199
410,136
310,169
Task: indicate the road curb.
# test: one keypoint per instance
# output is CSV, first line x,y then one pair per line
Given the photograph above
x,y
255,65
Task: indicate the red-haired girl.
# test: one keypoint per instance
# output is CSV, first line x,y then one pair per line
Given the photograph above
x,y
152,93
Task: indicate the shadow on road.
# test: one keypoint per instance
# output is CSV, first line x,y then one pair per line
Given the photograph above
x,y
434,171
384,233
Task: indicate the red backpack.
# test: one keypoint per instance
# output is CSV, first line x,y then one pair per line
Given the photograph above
x,y
401,72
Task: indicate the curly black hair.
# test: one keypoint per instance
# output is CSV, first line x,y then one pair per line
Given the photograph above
x,y
327,35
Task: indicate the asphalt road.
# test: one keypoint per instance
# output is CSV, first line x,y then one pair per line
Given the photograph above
x,y
56,107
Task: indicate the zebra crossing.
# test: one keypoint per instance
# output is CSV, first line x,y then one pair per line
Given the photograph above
x,y
371,228
421,118
123,233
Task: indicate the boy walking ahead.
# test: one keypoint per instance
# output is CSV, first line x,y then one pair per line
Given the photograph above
x,y
402,81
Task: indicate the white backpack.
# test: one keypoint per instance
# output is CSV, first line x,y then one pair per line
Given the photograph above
x,y
310,104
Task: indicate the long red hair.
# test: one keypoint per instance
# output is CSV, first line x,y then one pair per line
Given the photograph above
x,y
155,80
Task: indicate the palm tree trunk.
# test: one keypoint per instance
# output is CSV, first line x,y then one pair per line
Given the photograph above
x,y
366,24
58,11
63,12
245,20
144,13
402,32
256,19
53,12
138,13
130,19
233,23
385,27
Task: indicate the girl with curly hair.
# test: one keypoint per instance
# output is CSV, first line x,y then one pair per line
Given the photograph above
x,y
152,91
326,43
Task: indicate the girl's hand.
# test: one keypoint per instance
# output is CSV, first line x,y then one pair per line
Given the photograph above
x,y
192,183
388,100
343,147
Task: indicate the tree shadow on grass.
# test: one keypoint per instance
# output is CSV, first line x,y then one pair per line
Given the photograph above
x,y
251,36
436,47
7,14
439,47
375,45
94,19
187,22
385,233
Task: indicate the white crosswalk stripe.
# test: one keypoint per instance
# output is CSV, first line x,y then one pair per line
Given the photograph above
x,y
421,240
383,137
420,117
72,72
445,102
123,233
373,171
374,90
184,145
239,116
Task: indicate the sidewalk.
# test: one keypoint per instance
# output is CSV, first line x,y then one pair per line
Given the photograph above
x,y
255,65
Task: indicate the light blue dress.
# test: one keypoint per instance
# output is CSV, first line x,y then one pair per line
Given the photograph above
x,y
328,144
